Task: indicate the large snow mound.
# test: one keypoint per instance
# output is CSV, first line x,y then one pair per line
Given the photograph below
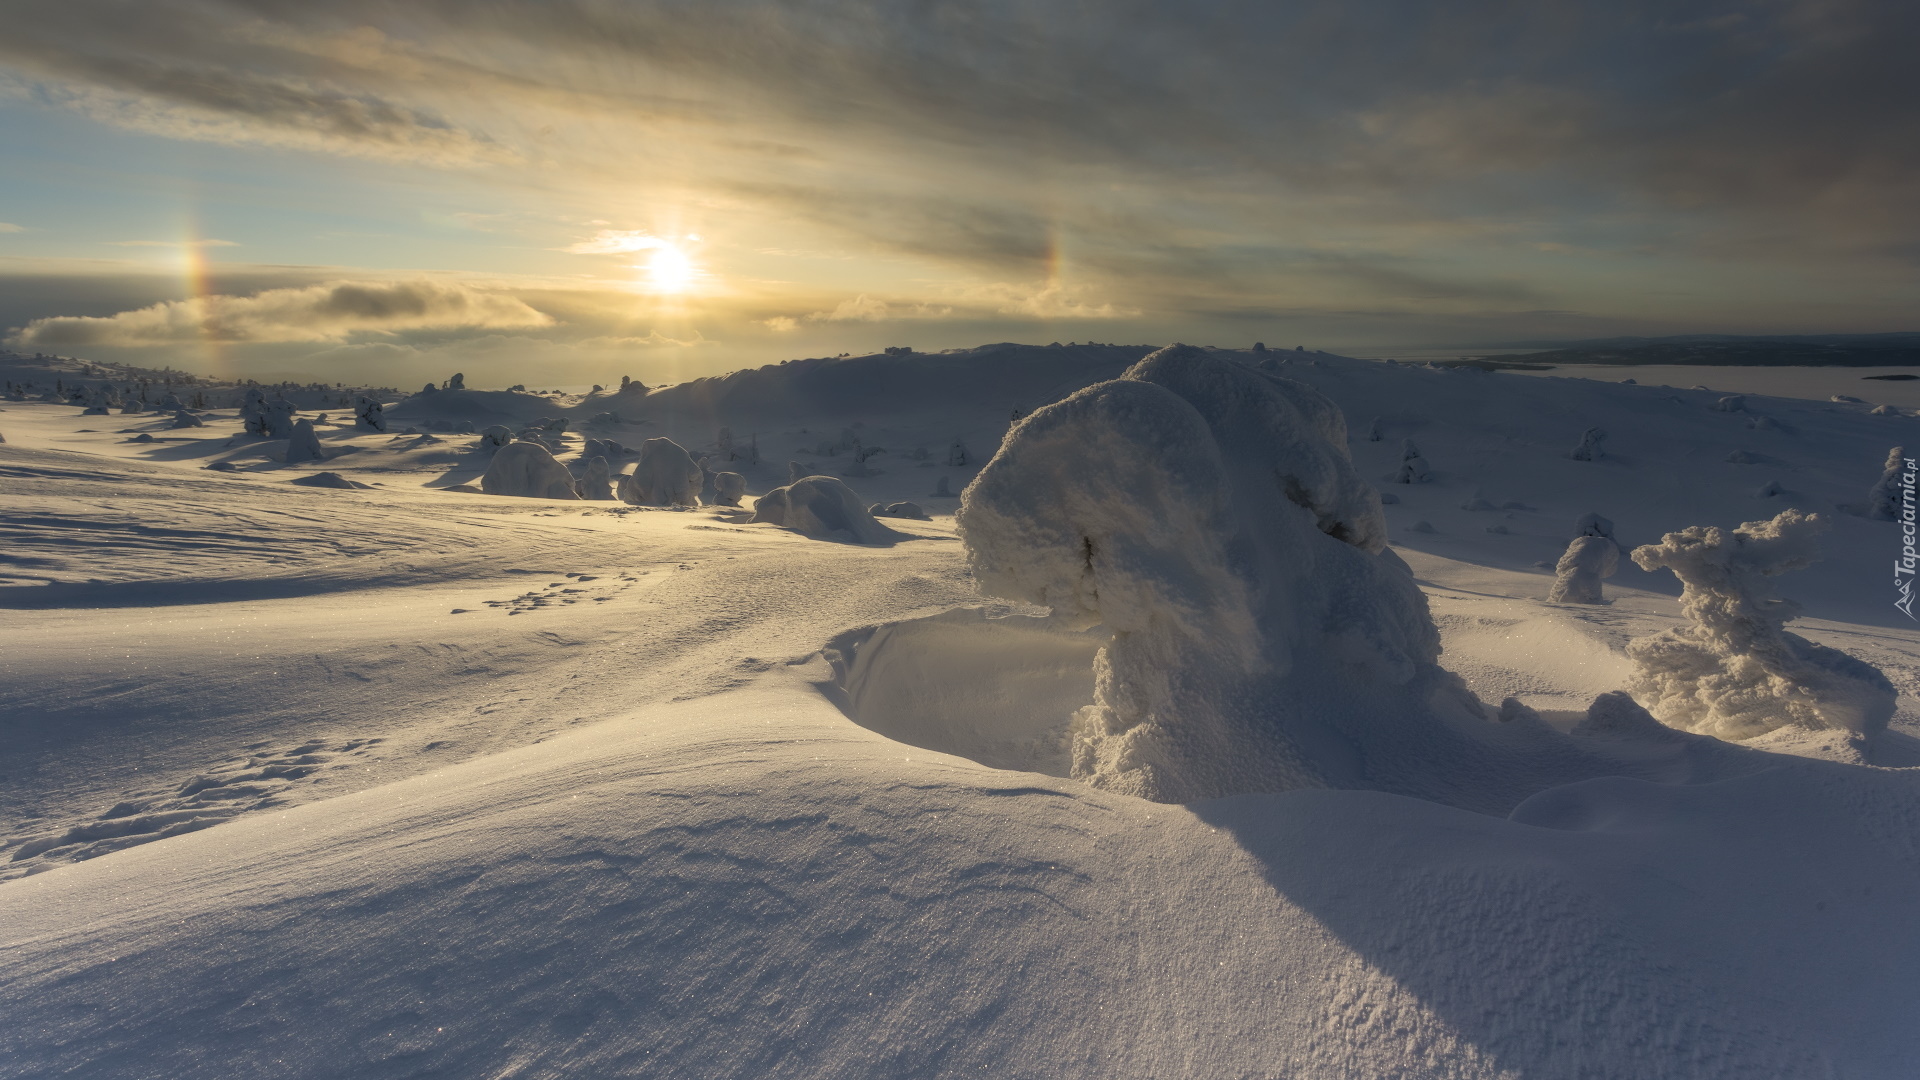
x,y
666,475
527,470
822,507
1207,516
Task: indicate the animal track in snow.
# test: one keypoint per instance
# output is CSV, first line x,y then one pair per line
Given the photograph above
x,y
257,781
567,591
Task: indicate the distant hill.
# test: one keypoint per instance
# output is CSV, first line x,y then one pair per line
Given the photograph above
x,y
1732,350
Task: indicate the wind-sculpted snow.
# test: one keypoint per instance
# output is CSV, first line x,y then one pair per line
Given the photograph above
x,y
303,444
1208,517
1588,560
596,480
823,507
666,476
1736,672
526,469
728,487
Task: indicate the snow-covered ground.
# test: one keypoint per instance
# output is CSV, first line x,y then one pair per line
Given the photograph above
x,y
408,780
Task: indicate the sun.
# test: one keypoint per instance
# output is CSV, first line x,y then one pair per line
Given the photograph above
x,y
669,270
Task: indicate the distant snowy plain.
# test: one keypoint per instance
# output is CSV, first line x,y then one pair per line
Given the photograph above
x,y
410,781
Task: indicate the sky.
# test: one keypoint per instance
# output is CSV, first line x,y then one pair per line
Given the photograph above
x,y
567,191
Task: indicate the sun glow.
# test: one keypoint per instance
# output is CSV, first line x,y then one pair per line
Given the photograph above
x,y
670,270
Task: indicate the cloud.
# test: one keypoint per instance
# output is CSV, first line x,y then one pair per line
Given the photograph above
x,y
10,227
617,241
335,311
172,243
864,308
1048,301
977,143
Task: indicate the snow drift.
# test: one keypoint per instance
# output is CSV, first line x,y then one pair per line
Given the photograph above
x,y
821,507
1736,672
666,476
527,470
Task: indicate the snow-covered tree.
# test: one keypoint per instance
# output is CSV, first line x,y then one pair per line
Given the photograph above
x,y
1413,467
957,455
1589,448
1884,501
527,470
494,437
596,483
1735,672
368,414
277,418
666,476
253,411
1587,561
728,487
303,444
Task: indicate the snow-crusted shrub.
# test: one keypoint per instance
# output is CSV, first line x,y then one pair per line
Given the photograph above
x,y
957,454
1769,489
1592,524
1883,410
185,419
1730,403
666,476
525,469
1589,448
494,437
1883,502
1735,672
303,444
1587,561
942,489
596,483
821,507
1373,430
1413,467
368,414
728,487
464,427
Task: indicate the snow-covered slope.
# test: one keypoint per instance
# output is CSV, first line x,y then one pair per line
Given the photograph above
x,y
403,781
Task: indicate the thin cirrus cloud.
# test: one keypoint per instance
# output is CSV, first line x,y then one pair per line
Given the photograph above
x,y
206,243
331,312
